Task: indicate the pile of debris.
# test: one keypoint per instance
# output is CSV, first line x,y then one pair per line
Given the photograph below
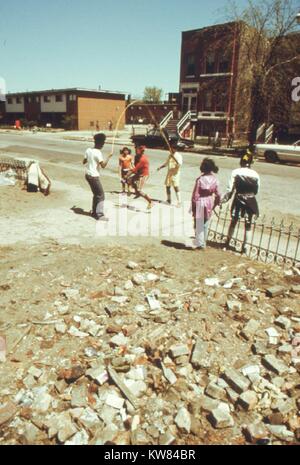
x,y
148,359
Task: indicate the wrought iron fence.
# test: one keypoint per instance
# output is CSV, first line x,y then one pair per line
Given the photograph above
x,y
19,166
270,242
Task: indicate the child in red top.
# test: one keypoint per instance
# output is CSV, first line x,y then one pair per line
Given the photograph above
x,y
139,174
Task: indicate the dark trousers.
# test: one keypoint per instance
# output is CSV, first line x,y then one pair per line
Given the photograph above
x,y
99,197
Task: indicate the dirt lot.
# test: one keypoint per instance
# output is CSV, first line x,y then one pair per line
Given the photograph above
x,y
72,302
49,288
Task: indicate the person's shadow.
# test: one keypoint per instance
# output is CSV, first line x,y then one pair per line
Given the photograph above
x,y
80,211
176,245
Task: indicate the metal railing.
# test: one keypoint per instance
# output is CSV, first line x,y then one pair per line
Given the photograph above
x,y
271,242
19,166
166,119
185,119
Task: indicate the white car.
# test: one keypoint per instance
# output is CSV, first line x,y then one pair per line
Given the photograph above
x,y
274,153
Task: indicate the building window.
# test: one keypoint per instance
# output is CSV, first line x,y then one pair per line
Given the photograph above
x,y
47,99
9,100
208,101
18,100
59,98
224,64
221,102
37,99
210,63
190,65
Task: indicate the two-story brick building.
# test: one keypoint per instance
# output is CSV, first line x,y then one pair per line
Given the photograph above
x,y
215,80
211,78
73,108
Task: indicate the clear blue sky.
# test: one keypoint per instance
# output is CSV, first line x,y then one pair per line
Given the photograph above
x,y
119,44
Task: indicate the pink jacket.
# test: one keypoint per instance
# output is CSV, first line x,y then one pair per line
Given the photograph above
x,y
206,196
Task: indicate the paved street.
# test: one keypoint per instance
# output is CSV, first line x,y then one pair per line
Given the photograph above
x,y
279,196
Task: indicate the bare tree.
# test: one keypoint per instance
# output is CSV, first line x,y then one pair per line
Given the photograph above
x,y
152,94
271,51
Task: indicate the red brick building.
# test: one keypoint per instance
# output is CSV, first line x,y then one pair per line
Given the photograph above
x,y
152,113
215,81
211,76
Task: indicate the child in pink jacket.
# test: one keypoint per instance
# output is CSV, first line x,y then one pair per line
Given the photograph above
x,y
206,196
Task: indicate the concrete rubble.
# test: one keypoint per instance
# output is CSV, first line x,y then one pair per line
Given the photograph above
x,y
145,359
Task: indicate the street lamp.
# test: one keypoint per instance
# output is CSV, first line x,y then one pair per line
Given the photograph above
x,y
298,18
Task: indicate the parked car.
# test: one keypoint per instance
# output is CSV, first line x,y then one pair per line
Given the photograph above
x,y
279,153
155,139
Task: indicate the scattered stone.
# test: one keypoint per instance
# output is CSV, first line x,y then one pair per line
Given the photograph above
x,y
119,340
98,374
169,374
128,285
90,327
207,404
283,322
76,333
250,329
79,396
232,395
259,348
140,308
183,420
295,289
132,265
236,380
2,349
275,291
273,336
120,299
138,279
42,401
70,293
285,349
234,305
178,350
65,427
215,391
256,432
79,439
276,365
123,388
276,419
29,381
152,277
248,400
7,412
31,433
221,418
61,328
167,439
251,370
212,282
154,304
114,401
72,374
281,432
